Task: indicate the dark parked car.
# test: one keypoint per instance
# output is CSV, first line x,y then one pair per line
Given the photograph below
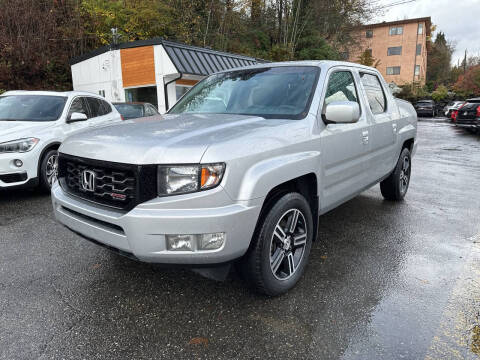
x,y
425,108
133,110
468,115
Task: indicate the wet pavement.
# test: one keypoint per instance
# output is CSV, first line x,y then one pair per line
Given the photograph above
x,y
385,281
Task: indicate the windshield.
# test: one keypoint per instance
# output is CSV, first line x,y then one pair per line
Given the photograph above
x,y
130,111
31,107
279,92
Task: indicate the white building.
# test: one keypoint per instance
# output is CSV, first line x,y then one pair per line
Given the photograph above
x,y
155,71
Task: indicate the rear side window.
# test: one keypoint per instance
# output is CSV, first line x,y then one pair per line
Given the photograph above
x,y
376,96
341,87
78,105
95,106
107,109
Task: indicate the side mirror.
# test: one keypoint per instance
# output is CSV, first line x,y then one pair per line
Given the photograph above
x,y
76,116
342,112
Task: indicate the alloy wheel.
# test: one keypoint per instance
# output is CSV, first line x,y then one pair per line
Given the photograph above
x,y
51,169
287,245
405,175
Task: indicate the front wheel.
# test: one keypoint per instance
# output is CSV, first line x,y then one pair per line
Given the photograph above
x,y
48,169
280,247
396,185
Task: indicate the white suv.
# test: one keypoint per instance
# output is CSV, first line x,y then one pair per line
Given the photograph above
x,y
33,124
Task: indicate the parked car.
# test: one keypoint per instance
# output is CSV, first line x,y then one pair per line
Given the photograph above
x,y
33,125
239,169
133,110
468,115
451,106
425,108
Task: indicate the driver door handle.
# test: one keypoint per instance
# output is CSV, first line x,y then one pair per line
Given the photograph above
x,y
365,137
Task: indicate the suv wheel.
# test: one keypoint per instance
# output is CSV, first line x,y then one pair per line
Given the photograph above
x,y
280,247
396,185
48,169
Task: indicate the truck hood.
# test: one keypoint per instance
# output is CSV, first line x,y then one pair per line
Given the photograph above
x,y
13,130
167,139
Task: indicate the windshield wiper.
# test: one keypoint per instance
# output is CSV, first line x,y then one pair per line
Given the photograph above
x,y
8,120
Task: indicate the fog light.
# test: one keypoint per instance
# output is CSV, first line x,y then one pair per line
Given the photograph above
x,y
18,163
211,241
193,242
180,242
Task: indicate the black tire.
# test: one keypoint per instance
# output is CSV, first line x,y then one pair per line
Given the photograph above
x,y
258,264
395,187
45,169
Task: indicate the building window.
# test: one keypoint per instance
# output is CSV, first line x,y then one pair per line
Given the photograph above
x,y
369,33
396,50
393,70
417,70
396,30
419,49
420,28
142,94
101,93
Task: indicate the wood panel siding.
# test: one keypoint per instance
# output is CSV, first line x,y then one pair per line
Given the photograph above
x,y
138,66
186,82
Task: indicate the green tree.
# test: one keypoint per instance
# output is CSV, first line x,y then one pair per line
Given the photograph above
x,y
438,60
366,58
441,93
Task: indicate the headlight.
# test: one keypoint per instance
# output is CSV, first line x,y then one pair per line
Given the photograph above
x,y
174,180
18,146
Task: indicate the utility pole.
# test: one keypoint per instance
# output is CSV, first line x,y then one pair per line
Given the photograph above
x,y
465,63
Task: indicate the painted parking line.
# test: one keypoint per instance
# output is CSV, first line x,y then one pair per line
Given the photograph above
x,y
458,336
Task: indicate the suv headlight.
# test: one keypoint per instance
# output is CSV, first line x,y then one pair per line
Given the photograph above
x,y
182,179
18,146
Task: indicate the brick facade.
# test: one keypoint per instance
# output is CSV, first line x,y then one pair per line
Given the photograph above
x,y
406,34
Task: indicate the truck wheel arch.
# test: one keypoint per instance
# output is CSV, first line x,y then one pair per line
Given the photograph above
x,y
306,185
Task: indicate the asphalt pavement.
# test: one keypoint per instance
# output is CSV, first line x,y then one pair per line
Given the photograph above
x,y
385,281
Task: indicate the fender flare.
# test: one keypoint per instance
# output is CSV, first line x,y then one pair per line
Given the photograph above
x,y
263,176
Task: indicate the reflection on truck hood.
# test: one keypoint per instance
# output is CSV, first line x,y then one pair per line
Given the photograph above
x,y
168,139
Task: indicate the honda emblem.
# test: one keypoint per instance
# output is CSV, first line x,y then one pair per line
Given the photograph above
x,y
88,180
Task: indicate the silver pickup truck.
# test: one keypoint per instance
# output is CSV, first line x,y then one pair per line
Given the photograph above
x,y
239,170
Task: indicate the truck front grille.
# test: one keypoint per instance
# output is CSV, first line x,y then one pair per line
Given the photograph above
x,y
117,185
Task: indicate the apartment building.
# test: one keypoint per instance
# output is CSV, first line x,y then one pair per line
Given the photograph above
x,y
400,47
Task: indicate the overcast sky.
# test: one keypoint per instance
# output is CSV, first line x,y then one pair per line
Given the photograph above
x,y
459,20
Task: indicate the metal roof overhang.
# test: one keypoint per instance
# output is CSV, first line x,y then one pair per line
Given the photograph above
x,y
187,59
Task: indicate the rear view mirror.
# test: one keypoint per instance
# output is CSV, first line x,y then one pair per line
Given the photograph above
x,y
76,116
342,112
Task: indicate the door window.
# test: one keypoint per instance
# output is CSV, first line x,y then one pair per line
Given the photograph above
x,y
78,105
107,109
341,87
150,110
375,94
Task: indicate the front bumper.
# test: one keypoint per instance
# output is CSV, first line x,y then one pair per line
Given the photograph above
x,y
140,233
14,176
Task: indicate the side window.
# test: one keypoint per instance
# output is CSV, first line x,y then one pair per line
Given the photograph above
x,y
95,107
375,94
107,109
341,87
77,106
151,110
